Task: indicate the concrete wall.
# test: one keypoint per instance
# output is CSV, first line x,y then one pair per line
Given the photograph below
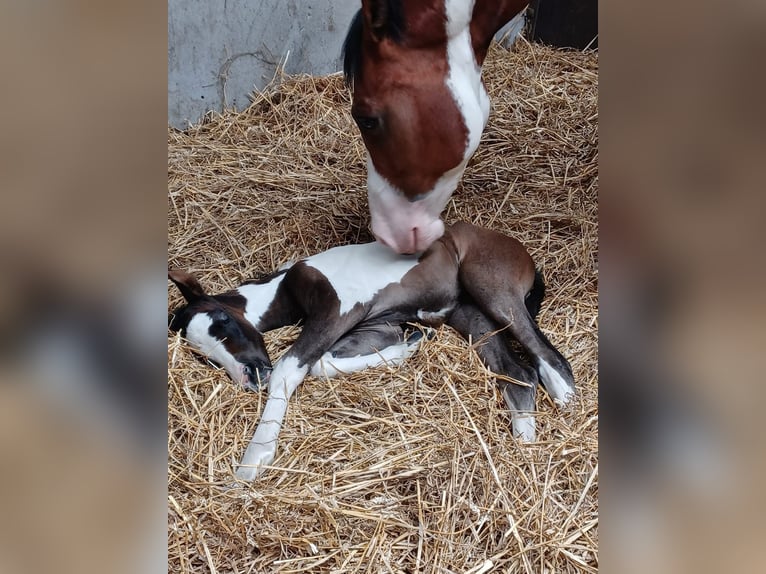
x,y
219,51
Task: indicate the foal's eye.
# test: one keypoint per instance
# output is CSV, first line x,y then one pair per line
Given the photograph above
x,y
367,123
222,318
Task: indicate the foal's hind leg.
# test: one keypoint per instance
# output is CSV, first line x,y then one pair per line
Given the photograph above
x,y
501,296
553,369
367,346
500,357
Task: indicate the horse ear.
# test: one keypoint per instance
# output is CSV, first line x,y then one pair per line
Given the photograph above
x,y
488,17
376,15
187,284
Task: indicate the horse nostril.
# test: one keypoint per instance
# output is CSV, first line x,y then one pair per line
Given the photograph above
x,y
413,247
264,374
252,377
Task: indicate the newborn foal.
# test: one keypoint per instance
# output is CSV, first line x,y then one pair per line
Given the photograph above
x,y
354,301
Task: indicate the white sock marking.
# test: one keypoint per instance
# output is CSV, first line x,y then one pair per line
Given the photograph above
x,y
434,316
523,426
561,391
262,450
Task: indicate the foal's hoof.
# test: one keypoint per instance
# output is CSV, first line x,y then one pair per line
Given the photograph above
x,y
564,399
257,457
524,427
414,337
248,473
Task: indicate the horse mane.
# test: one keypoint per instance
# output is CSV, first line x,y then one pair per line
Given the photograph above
x,y
352,49
352,46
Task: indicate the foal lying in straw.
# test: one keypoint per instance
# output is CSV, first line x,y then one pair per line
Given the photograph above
x,y
355,301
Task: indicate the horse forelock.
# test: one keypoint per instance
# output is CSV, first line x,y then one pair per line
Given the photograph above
x,y
352,49
394,29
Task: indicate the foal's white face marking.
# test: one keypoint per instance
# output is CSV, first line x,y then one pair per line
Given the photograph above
x,y
198,334
358,272
393,215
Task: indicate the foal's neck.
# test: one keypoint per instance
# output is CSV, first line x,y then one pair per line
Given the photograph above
x,y
266,308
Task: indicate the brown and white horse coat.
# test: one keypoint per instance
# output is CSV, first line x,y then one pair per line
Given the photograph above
x,y
354,301
420,105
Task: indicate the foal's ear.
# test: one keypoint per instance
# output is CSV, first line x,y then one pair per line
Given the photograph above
x,y
187,284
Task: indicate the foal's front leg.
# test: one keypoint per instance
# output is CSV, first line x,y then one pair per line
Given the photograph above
x,y
499,356
367,346
316,337
285,378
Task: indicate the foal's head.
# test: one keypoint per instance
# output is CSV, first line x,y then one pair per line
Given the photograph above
x,y
216,326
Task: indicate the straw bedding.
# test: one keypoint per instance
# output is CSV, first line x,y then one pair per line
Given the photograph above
x,y
409,469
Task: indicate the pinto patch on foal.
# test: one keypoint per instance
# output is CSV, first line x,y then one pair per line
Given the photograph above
x,y
359,272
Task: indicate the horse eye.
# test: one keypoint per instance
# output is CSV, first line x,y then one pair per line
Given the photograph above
x,y
367,123
223,318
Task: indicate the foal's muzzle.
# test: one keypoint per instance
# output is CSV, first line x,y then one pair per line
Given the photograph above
x,y
255,378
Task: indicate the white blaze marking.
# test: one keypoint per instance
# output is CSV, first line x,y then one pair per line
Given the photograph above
x,y
259,298
557,387
262,450
464,76
198,335
358,272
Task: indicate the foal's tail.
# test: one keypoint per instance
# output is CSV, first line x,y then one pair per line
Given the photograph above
x,y
534,298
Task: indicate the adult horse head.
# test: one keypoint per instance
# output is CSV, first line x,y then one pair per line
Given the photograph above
x,y
419,102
